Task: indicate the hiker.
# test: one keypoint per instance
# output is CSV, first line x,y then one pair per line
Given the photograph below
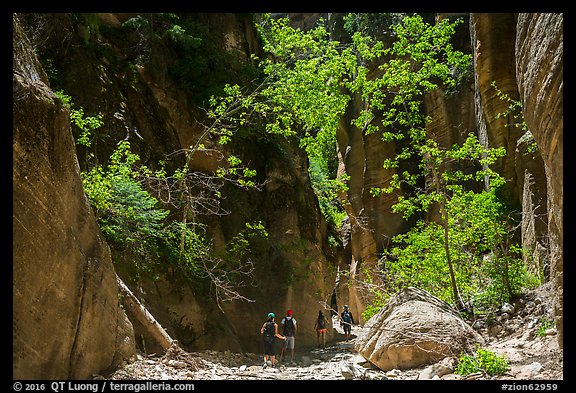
x,y
346,321
320,327
269,333
289,329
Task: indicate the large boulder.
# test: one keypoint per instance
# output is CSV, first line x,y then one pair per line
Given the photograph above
x,y
414,329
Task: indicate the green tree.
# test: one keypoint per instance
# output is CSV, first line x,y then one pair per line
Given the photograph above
x,y
308,82
140,227
469,223
128,216
301,94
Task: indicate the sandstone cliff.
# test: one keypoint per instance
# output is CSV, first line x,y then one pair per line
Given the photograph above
x,y
67,321
539,68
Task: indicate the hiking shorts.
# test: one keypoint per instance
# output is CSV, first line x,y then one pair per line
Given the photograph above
x,y
289,342
347,327
269,348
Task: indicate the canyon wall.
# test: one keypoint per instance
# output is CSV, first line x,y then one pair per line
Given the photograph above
x,y
66,317
540,78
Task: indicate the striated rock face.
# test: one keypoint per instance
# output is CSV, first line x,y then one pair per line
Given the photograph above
x,y
492,36
414,329
67,321
532,180
539,69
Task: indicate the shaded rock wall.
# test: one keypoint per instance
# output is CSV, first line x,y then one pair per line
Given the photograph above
x,y
293,270
539,68
67,322
493,43
103,72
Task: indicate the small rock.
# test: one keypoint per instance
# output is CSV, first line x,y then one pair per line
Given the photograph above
x,y
473,376
478,325
550,332
351,371
435,371
394,373
532,368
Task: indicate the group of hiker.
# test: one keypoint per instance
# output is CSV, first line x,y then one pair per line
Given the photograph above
x,y
270,332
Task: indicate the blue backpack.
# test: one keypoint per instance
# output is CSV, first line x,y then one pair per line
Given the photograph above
x,y
347,316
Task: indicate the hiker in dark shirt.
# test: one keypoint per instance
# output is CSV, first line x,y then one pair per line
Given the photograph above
x,y
321,327
289,329
346,321
269,333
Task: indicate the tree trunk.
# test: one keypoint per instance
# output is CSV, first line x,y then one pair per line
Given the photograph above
x,y
458,303
133,306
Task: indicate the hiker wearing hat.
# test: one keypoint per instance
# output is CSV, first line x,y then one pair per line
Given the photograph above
x,y
269,333
346,321
289,329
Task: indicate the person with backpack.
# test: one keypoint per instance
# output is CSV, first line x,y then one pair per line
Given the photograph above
x,y
346,321
321,327
289,329
269,333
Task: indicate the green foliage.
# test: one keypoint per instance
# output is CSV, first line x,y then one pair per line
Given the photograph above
x,y
484,361
136,225
243,176
305,74
327,190
184,247
505,275
419,260
516,113
545,324
474,228
86,124
420,60
127,214
377,302
371,24
183,40
51,71
514,109
240,244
